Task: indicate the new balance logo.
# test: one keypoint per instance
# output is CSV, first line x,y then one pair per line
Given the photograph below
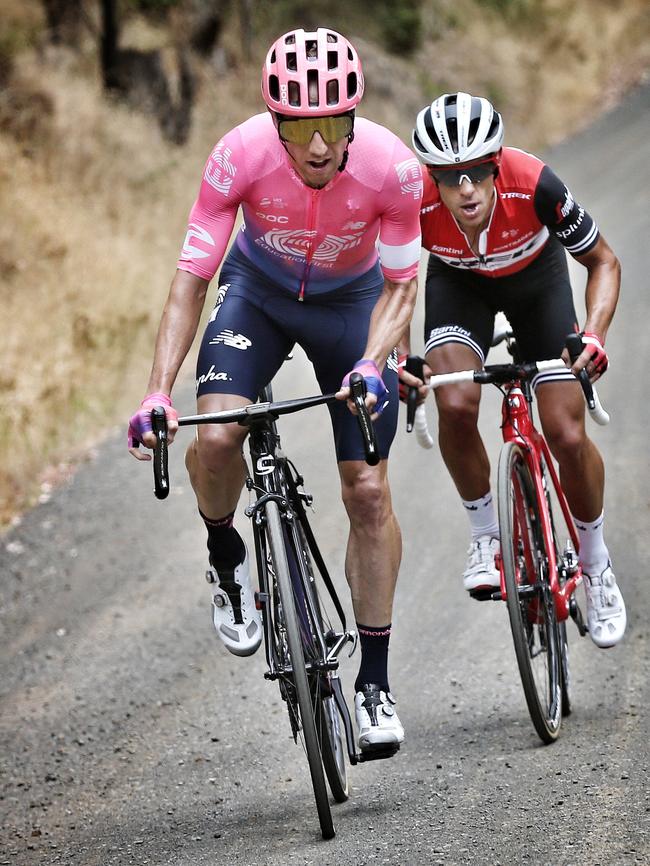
x,y
235,341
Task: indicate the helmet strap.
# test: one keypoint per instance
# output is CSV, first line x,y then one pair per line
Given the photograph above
x,y
346,153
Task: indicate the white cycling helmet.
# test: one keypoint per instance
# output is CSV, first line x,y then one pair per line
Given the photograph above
x,y
457,128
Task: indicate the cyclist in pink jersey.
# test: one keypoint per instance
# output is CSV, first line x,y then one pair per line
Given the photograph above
x,y
327,257
495,221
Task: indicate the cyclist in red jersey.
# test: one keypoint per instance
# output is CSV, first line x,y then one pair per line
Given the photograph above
x,y
327,257
495,221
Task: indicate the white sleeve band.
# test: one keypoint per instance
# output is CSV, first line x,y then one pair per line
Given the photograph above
x,y
400,257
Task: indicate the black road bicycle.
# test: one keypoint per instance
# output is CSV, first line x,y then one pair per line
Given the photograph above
x,y
304,623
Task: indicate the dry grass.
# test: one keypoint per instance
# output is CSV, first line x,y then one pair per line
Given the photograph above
x,y
93,201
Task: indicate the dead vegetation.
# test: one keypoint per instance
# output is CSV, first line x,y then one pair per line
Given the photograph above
x,y
94,194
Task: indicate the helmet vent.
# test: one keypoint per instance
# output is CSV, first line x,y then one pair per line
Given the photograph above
x,y
311,49
333,92
291,39
332,59
293,93
274,88
353,84
312,86
292,62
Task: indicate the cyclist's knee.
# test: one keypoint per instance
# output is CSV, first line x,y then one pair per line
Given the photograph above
x,y
567,440
458,408
366,495
215,447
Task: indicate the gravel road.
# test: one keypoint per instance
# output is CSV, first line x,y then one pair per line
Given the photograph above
x,y
128,735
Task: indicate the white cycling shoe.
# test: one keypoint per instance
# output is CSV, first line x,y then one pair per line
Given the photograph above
x,y
606,616
234,613
377,721
481,572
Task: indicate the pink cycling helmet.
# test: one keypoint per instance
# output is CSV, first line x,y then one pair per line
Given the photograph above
x,y
312,73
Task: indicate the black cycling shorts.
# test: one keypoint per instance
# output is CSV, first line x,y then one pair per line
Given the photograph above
x,y
255,324
461,305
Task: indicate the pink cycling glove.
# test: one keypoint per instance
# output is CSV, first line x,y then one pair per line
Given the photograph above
x,y
374,382
140,423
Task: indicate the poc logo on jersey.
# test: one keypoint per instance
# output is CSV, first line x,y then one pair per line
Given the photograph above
x,y
235,341
272,218
410,177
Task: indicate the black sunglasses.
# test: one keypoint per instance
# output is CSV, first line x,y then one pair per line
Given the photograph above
x,y
454,176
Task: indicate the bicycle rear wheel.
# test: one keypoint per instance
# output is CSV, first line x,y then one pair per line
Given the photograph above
x,y
531,606
297,690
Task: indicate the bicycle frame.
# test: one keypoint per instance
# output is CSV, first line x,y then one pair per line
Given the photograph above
x,y
518,427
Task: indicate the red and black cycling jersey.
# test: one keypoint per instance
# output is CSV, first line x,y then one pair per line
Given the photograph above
x,y
530,202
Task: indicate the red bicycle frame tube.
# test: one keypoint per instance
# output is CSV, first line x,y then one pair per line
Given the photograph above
x,y
518,427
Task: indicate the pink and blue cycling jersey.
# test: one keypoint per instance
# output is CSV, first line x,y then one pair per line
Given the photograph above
x,y
307,240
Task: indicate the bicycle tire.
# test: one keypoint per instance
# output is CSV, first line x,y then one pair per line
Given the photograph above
x,y
563,638
278,553
532,617
330,732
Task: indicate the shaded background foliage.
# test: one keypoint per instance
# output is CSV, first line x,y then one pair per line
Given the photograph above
x,y
108,109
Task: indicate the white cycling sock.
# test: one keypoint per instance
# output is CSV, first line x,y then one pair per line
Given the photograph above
x,y
593,555
482,516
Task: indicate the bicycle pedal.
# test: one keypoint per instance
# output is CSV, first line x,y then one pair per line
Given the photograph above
x,y
378,753
482,594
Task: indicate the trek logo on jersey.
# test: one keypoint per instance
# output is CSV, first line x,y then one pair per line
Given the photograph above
x,y
235,341
212,376
509,233
562,211
524,195
220,172
192,252
221,297
430,207
410,177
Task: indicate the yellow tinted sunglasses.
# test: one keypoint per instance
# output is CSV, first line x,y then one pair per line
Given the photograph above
x,y
300,130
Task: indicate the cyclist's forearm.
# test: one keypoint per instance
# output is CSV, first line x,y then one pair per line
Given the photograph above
x,y
602,289
390,320
177,329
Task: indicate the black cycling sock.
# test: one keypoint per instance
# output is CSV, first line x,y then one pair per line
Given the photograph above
x,y
225,544
374,656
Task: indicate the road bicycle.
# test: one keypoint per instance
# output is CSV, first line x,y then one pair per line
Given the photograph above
x,y
303,620
539,572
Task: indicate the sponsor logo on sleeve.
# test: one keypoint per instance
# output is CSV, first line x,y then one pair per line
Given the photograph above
x,y
196,231
220,172
410,177
563,209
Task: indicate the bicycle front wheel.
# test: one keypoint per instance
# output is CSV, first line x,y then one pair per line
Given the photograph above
x,y
298,692
531,606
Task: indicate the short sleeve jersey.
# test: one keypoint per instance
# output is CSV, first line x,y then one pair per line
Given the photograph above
x,y
308,240
530,203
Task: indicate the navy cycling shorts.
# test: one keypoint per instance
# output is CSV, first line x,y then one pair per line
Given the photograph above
x,y
255,324
461,305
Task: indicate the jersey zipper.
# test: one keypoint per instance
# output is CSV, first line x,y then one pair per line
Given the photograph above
x,y
311,221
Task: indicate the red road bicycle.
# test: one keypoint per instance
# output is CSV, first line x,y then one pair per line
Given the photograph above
x,y
539,572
